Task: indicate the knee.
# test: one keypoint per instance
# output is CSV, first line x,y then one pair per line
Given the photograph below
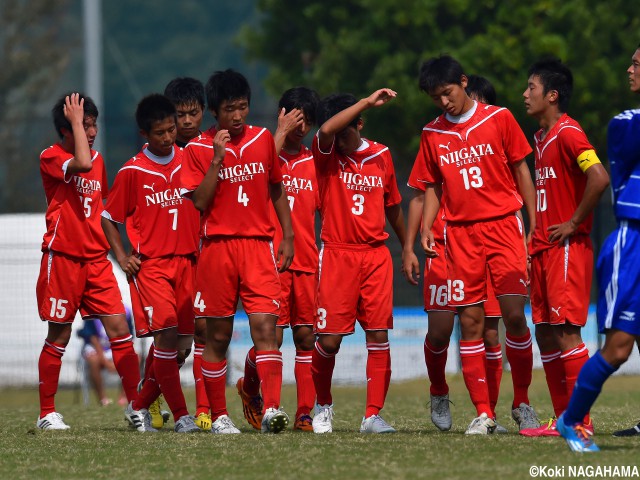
x,y
438,339
330,343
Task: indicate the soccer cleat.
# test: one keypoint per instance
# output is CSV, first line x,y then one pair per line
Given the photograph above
x,y
440,411
375,424
629,432
185,424
223,425
499,430
138,419
304,423
482,425
589,427
576,436
52,421
157,420
203,421
547,429
322,419
251,406
274,421
525,416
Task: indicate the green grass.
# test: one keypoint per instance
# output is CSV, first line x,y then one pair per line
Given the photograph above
x,y
99,445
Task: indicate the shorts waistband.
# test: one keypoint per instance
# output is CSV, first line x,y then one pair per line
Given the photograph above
x,y
357,247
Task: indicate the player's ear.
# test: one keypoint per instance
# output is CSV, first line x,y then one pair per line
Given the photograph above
x,y
143,134
360,124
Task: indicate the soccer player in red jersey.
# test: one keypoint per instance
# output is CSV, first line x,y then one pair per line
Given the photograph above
x,y
162,227
297,108
75,273
187,94
478,152
231,172
358,189
440,316
569,181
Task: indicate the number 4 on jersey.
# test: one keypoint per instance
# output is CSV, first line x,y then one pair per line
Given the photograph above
x,y
242,197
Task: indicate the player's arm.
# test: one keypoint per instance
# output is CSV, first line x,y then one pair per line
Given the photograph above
x,y
287,123
129,264
281,206
410,263
74,112
395,216
432,198
342,119
597,182
525,186
202,196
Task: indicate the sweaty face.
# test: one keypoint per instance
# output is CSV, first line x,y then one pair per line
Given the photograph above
x,y
451,98
161,136
189,120
535,100
634,72
232,114
348,140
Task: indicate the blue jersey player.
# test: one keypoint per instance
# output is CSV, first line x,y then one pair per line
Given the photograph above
x,y
618,271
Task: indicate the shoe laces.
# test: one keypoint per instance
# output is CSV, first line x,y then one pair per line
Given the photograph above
x,y
326,413
378,420
440,404
226,422
583,435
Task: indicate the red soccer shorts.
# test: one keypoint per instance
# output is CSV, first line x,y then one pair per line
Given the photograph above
x,y
299,298
436,292
232,268
162,295
355,283
478,250
561,282
66,285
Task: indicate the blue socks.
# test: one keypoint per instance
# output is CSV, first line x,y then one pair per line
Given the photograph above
x,y
588,386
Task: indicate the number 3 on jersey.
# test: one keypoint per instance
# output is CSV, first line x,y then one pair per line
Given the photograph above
x,y
358,204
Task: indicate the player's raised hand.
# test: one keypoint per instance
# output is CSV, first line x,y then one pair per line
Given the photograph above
x,y
74,108
288,122
410,267
428,243
380,97
219,145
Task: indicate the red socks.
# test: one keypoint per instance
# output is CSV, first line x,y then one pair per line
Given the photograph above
x,y
49,374
472,356
378,376
493,367
520,355
554,372
436,361
322,365
251,384
168,378
215,382
304,382
125,359
573,360
202,402
269,368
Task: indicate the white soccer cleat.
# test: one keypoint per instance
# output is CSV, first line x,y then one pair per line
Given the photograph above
x,y
525,416
138,419
482,425
52,421
322,419
441,412
375,424
274,421
185,424
223,425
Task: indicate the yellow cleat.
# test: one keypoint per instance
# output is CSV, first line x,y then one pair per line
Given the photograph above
x,y
203,421
157,420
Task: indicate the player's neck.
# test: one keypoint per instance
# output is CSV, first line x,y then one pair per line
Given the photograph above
x,y
548,120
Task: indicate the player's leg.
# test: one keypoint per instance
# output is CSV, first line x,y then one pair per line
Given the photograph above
x,y
493,361
323,362
378,379
203,417
436,347
304,339
95,366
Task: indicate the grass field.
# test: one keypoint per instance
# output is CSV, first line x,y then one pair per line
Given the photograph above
x,y
99,444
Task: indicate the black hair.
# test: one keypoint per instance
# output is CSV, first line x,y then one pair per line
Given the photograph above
x,y
60,121
335,103
303,98
185,91
482,89
439,71
554,75
226,85
154,108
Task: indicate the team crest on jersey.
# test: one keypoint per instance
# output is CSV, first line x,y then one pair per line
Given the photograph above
x,y
360,182
171,196
241,173
296,184
86,186
466,155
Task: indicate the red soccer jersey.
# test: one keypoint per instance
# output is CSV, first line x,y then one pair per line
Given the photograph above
x,y
299,179
240,204
354,191
559,181
74,205
472,160
146,195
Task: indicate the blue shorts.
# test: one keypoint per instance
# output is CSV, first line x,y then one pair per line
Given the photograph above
x,y
618,272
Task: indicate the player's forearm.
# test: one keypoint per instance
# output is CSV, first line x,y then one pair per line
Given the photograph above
x,y
431,206
203,195
339,122
395,216
597,183
81,161
112,235
281,206
527,191
414,217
